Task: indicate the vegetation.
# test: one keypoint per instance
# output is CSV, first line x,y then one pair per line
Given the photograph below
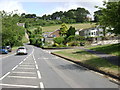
x,y
11,33
63,29
35,36
89,59
77,26
109,16
110,49
59,40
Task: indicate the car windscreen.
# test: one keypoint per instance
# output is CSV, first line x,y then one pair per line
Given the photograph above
x,y
21,48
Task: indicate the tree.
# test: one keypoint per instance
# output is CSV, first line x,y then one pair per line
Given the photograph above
x,y
71,31
96,15
58,40
11,33
81,14
63,29
110,17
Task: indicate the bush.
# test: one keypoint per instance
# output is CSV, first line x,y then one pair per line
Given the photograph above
x,y
71,38
58,40
32,41
55,45
73,43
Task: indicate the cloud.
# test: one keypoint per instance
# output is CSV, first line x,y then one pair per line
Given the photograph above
x,y
10,6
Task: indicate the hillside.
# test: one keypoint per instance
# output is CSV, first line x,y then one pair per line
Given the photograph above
x,y
77,26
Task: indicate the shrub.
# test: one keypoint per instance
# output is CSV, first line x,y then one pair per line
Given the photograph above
x,y
73,43
58,40
55,45
32,41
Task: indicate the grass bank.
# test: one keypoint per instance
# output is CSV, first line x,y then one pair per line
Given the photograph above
x,y
112,49
89,59
77,26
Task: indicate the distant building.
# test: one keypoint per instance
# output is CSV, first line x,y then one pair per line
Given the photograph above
x,y
95,33
56,33
21,24
50,35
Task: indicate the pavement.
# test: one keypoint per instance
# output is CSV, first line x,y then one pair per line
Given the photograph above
x,y
40,69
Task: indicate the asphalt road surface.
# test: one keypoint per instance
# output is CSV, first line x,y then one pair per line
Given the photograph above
x,y
40,69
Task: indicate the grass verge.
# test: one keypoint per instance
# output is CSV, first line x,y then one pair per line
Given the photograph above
x,y
89,59
112,49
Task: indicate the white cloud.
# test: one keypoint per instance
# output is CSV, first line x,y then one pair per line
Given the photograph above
x,y
10,6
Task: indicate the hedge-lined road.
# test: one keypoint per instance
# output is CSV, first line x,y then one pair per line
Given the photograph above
x,y
40,69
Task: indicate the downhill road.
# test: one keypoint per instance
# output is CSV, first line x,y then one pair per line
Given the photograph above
x,y
40,69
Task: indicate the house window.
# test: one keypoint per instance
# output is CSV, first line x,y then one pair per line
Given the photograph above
x,y
89,33
92,33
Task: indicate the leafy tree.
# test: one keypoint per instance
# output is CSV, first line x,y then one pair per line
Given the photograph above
x,y
11,33
96,15
58,40
81,15
71,31
110,16
63,29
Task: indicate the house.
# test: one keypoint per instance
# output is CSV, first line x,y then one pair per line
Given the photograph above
x,y
50,35
94,34
54,34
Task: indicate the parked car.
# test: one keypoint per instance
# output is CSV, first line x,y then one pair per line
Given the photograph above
x,y
9,48
21,50
3,50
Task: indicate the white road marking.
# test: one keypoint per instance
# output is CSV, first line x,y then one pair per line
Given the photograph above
x,y
21,62
22,77
13,85
4,76
25,72
33,57
35,62
45,58
15,67
41,85
25,68
24,59
39,75
36,66
23,65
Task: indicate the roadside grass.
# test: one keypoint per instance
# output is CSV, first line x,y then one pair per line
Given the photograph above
x,y
89,59
112,49
77,26
24,39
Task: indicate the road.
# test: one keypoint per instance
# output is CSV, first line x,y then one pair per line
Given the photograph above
x,y
40,69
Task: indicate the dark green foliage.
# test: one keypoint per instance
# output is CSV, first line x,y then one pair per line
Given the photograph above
x,y
36,36
11,33
71,38
110,16
32,41
71,31
59,40
96,15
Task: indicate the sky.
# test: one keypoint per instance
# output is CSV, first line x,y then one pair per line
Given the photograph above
x,y
41,7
